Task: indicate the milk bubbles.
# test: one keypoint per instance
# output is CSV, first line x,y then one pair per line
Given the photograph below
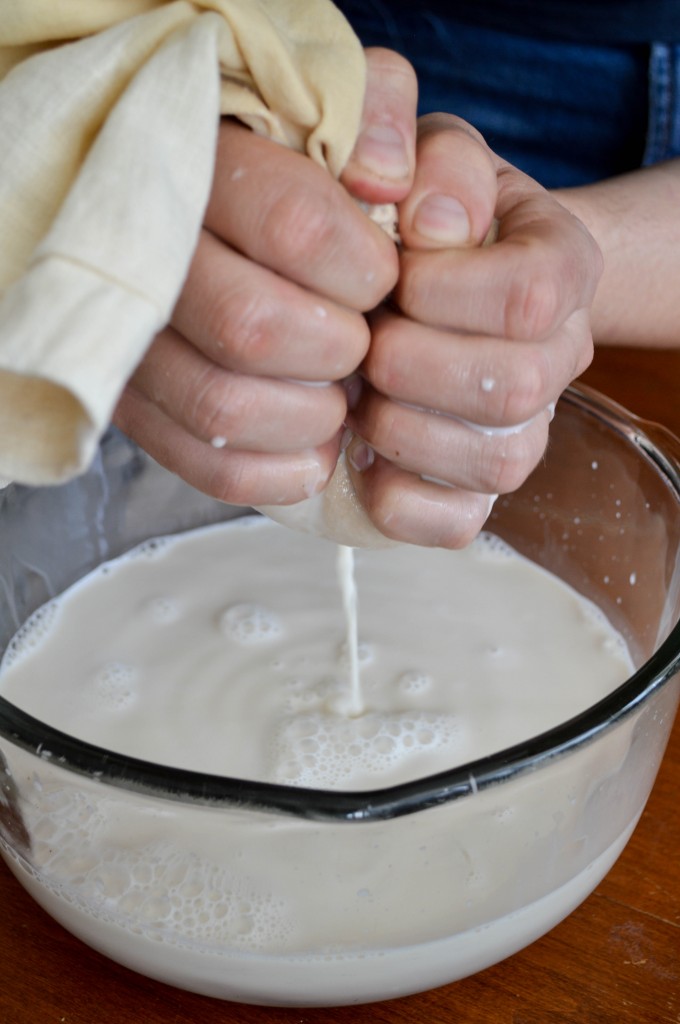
x,y
250,624
115,685
326,750
149,886
31,635
414,682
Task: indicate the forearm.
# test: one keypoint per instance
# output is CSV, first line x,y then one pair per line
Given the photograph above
x,y
635,219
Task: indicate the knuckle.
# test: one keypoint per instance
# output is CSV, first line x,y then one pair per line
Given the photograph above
x,y
206,408
532,304
527,391
416,290
380,278
241,325
382,427
320,417
323,229
387,498
373,257
231,483
379,503
301,225
352,347
408,518
466,526
383,366
506,465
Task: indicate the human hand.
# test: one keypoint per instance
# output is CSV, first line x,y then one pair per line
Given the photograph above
x,y
240,395
465,367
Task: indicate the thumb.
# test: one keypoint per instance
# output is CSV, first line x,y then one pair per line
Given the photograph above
x,y
453,199
381,167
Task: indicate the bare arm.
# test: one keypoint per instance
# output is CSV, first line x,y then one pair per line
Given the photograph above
x,y
635,219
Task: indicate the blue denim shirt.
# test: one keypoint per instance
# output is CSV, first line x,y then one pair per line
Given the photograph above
x,y
663,132
594,21
567,113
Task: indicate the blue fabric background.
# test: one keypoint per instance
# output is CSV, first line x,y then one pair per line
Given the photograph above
x,y
565,113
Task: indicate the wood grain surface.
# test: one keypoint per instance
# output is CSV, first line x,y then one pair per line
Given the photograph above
x,y
615,960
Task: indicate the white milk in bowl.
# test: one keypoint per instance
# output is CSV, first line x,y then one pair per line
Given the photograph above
x,y
224,651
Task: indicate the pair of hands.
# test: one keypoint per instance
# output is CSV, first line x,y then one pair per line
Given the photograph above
x,y
447,387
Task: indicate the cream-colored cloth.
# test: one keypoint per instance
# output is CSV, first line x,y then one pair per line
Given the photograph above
x,y
108,120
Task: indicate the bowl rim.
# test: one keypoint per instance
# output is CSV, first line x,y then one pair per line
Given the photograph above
x,y
199,788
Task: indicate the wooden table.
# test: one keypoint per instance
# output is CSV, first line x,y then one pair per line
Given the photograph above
x,y
616,960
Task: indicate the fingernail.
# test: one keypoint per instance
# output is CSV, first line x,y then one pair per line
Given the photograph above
x,y
381,149
442,219
361,457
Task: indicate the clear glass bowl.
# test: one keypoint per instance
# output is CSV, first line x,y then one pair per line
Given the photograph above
x,y
195,879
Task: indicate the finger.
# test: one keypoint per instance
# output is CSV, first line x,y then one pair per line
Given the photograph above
x,y
490,381
453,199
409,509
237,477
287,213
247,318
449,450
381,167
543,267
225,408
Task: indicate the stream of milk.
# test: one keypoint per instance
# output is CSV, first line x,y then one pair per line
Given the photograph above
x,y
353,703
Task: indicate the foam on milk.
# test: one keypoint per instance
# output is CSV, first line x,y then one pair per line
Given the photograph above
x,y
171,898
31,633
249,624
321,751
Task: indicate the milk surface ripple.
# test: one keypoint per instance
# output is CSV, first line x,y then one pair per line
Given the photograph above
x,y
224,651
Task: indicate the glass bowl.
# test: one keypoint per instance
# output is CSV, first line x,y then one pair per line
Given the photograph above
x,y
195,879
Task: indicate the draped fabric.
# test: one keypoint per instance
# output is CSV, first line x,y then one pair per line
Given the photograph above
x,y
109,112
